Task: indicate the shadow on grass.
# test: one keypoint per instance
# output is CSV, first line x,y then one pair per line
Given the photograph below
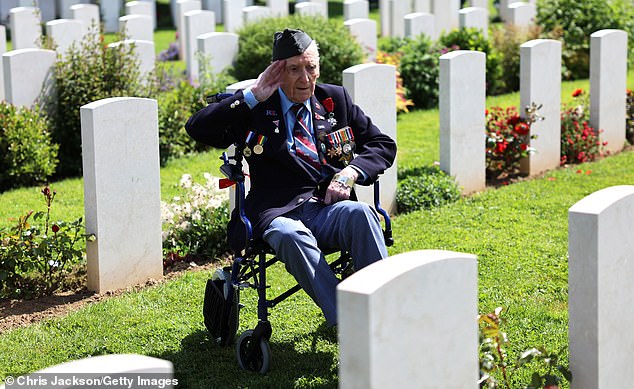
x,y
201,363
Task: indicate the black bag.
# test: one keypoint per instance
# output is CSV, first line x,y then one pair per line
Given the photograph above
x,y
221,316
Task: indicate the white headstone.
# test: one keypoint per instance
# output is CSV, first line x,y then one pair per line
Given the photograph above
x,y
540,83
3,49
144,52
65,33
462,122
216,7
384,16
137,27
87,13
5,6
64,8
111,365
220,47
422,6
364,32
356,9
26,30
28,76
446,13
420,23
279,8
398,9
182,7
233,14
522,14
196,23
153,8
255,13
309,9
110,11
48,9
410,321
474,17
503,9
141,8
122,192
608,80
600,293
373,88
479,3
324,6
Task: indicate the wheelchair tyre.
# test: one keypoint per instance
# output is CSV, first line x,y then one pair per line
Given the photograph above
x,y
233,320
261,359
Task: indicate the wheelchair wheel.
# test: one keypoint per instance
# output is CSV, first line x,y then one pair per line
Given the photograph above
x,y
233,320
260,359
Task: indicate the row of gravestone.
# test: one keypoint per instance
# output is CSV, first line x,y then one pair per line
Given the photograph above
x,y
462,101
192,21
409,320
27,75
26,30
110,10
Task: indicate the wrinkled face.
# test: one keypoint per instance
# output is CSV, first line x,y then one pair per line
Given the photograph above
x,y
300,75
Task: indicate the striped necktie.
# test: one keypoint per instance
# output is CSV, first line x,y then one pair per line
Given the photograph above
x,y
304,145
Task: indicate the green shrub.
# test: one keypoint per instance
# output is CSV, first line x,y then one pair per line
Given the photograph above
x,y
27,154
473,39
37,255
506,40
176,104
88,72
337,48
419,70
425,188
574,21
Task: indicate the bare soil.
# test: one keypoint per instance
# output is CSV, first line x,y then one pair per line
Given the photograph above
x,y
21,313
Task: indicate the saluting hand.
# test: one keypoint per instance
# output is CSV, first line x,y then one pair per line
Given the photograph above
x,y
269,80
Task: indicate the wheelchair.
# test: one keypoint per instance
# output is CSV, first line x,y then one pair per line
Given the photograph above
x,y
221,307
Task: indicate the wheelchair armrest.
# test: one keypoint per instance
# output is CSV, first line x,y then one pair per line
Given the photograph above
x,y
232,172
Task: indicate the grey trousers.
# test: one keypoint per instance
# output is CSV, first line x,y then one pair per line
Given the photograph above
x,y
347,225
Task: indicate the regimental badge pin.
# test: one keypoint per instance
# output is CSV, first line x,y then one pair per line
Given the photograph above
x,y
246,152
331,119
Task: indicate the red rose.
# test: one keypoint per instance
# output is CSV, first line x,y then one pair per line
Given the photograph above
x,y
328,104
522,128
577,92
55,228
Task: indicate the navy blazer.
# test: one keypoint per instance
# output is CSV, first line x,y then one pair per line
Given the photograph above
x,y
281,181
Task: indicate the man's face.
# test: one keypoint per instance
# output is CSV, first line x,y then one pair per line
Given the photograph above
x,y
300,74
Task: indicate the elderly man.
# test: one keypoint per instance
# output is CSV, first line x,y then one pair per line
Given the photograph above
x,y
306,144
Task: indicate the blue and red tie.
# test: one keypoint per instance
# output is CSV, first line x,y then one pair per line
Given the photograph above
x,y
304,145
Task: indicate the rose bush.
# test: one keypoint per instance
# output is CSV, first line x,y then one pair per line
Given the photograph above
x,y
507,139
579,142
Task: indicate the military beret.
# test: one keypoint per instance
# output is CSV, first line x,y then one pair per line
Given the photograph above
x,y
290,43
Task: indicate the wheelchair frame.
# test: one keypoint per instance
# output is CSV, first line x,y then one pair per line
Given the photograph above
x,y
221,306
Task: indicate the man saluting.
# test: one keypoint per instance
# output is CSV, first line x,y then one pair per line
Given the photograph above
x,y
306,145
